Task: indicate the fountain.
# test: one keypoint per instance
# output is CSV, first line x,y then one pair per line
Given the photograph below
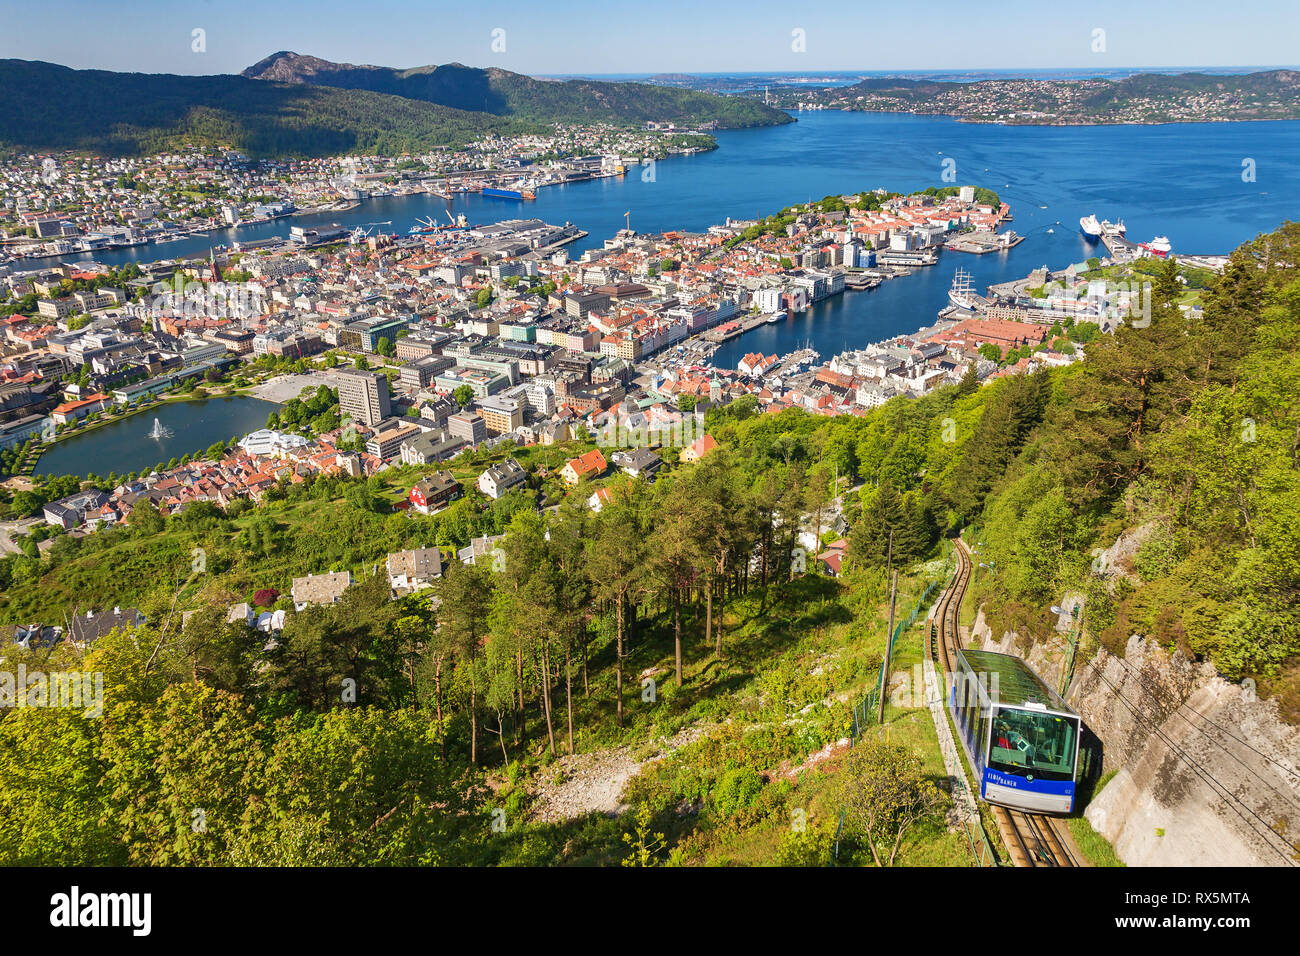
x,y
159,431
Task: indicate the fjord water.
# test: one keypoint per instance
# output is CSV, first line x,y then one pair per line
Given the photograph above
x,y
1180,180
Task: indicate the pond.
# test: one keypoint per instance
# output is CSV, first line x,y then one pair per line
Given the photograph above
x,y
167,431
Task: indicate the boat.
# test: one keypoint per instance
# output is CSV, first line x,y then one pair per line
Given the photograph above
x,y
1159,246
1112,228
1090,227
962,293
776,317
492,192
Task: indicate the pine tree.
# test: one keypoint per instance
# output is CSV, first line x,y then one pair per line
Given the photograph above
x,y
969,381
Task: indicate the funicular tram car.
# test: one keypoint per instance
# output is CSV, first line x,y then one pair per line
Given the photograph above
x,y
1021,738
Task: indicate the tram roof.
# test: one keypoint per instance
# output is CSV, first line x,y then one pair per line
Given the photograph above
x,y
1017,683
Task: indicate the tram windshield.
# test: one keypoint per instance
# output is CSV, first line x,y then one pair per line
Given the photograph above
x,y
1029,741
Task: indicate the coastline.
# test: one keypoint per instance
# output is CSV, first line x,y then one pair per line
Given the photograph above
x,y
1076,123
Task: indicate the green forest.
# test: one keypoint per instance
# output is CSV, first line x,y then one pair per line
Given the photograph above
x,y
503,93
50,107
420,731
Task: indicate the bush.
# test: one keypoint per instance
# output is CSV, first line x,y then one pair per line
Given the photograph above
x,y
736,791
812,847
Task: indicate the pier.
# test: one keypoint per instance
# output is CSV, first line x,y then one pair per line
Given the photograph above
x,y
734,329
981,242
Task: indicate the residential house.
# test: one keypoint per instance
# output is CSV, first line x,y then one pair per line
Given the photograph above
x,y
831,559
480,548
434,493
320,589
637,462
72,511
698,448
500,478
590,465
85,629
413,570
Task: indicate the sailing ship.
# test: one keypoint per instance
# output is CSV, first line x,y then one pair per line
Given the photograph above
x,y
962,294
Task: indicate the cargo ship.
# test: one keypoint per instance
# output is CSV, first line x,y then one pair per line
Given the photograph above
x,y
1090,227
494,193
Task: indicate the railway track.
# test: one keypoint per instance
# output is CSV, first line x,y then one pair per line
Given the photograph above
x,y
1031,839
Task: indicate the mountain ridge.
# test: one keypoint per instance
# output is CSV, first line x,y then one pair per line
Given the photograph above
x,y
505,93
50,107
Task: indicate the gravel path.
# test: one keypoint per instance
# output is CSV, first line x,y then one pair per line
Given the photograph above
x,y
594,782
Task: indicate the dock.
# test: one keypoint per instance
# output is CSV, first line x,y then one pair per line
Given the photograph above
x,y
859,281
734,329
1120,249
981,242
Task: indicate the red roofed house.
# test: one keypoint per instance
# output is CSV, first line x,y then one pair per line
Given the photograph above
x,y
74,411
590,465
698,448
833,556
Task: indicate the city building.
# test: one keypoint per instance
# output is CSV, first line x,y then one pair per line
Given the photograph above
x,y
501,413
388,443
429,449
363,396
467,426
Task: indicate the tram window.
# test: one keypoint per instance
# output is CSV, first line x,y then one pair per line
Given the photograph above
x,y
1026,741
974,727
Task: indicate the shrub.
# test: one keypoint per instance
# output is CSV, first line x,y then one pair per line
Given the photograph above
x,y
736,791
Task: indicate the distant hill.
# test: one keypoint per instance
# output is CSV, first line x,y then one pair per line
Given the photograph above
x,y
502,93
1140,98
44,106
1103,92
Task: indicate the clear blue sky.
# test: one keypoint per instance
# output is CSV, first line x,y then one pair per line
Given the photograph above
x,y
581,36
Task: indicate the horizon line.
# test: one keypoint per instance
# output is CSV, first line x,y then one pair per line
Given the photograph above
x,y
1242,67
